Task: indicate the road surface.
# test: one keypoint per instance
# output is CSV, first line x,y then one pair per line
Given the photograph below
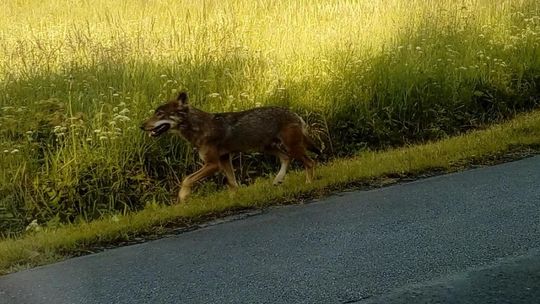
x,y
469,237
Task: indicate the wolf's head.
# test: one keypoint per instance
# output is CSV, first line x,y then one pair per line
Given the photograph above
x,y
170,115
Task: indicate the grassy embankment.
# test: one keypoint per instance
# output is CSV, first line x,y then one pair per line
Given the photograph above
x,y
77,77
519,134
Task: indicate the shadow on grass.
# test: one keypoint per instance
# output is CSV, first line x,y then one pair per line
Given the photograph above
x,y
81,156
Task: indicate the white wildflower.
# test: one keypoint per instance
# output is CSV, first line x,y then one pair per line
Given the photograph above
x,y
121,117
33,226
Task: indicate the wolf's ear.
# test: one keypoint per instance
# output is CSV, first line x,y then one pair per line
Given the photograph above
x,y
182,98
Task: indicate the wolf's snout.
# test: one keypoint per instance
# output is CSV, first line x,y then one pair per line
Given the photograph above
x,y
146,125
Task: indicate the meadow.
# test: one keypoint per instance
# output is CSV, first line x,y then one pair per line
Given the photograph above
x,y
77,77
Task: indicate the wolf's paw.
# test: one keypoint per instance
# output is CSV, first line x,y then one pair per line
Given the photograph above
x,y
277,182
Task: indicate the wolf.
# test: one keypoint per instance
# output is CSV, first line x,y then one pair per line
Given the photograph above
x,y
272,130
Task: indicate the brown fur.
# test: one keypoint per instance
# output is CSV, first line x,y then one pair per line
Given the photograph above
x,y
271,130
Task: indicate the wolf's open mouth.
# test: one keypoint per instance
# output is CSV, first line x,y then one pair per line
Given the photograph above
x,y
160,129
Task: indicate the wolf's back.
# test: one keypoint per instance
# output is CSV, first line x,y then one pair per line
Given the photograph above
x,y
256,128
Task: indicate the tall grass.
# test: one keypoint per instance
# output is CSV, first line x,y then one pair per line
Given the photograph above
x,y
78,76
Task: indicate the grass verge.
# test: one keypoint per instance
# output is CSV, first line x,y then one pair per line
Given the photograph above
x,y
51,245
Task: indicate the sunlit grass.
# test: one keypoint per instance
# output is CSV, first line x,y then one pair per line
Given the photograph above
x,y
78,76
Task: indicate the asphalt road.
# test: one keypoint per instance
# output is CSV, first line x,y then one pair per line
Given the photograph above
x,y
470,237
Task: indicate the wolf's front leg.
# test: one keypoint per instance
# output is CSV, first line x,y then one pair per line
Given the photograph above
x,y
184,193
207,170
225,165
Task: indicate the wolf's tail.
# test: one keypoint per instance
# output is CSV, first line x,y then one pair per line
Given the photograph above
x,y
310,145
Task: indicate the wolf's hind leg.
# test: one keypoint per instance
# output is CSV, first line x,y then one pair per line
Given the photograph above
x,y
293,140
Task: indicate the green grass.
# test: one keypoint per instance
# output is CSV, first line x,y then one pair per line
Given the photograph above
x,y
77,77
48,245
